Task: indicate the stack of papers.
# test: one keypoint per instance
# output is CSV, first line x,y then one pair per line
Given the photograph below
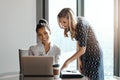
x,y
70,74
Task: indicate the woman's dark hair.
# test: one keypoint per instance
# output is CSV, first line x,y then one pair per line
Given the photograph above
x,y
42,23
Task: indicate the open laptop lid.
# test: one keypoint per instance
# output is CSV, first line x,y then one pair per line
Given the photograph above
x,y
37,65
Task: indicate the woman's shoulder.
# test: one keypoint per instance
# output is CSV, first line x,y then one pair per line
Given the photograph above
x,y
55,46
35,46
56,49
82,21
32,46
81,18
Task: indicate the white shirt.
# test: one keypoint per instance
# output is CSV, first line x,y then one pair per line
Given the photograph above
x,y
38,50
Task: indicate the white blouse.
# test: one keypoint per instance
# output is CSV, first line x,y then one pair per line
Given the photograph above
x,y
38,50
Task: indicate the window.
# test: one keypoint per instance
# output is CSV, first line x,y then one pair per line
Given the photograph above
x,y
100,15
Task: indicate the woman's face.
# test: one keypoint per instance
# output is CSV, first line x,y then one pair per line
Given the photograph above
x,y
44,35
64,22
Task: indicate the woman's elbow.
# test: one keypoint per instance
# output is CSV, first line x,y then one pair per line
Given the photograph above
x,y
82,50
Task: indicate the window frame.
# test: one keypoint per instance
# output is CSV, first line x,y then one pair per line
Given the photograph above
x,y
116,38
80,12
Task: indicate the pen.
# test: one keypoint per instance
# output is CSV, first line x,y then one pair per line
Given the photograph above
x,y
70,71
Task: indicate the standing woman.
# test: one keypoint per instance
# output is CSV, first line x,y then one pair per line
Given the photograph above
x,y
89,52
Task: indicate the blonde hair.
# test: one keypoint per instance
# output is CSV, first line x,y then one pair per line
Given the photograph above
x,y
69,14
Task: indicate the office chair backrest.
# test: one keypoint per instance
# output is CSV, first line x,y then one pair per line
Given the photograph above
x,y
22,53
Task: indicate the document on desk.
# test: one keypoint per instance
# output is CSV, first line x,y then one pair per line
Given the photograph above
x,y
70,74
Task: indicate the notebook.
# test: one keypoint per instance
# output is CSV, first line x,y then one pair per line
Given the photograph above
x,y
37,66
71,74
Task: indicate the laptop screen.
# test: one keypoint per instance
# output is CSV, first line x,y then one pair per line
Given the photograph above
x,y
37,65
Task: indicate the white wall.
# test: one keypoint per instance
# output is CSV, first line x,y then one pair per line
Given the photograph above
x,y
17,30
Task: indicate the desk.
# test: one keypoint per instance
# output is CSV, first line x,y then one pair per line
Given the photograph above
x,y
17,76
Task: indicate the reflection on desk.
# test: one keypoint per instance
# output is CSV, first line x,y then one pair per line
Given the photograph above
x,y
17,76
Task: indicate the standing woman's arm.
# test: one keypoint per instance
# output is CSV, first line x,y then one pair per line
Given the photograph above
x,y
80,52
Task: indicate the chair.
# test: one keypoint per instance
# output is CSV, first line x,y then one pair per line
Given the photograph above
x,y
22,53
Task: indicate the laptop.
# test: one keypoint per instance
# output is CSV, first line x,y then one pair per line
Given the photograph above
x,y
38,66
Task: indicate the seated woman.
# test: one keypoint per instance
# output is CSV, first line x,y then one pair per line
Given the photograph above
x,y
44,46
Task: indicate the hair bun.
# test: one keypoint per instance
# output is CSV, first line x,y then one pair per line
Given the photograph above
x,y
43,21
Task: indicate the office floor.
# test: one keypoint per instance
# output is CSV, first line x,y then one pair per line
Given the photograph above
x,y
112,78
